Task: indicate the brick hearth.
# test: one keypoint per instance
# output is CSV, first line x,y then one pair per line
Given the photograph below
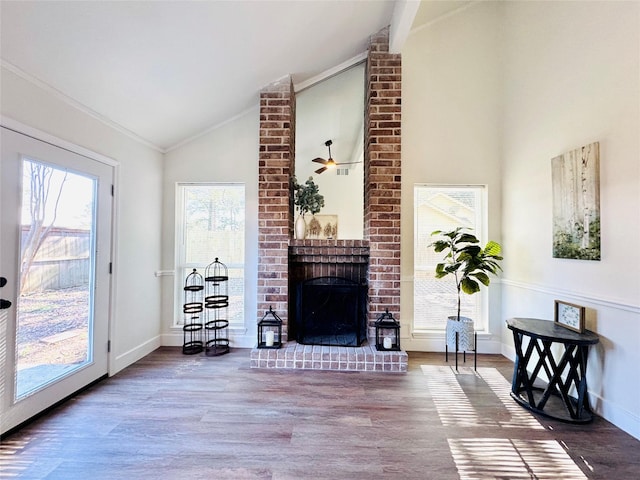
x,y
319,357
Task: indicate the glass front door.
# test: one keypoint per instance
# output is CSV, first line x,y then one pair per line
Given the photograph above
x,y
56,230
54,309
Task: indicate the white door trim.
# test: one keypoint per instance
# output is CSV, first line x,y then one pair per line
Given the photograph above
x,y
24,129
108,303
16,126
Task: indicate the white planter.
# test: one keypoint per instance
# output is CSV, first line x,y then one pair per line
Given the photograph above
x,y
300,228
466,337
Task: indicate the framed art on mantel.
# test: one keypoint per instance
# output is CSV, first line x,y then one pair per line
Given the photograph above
x,y
569,315
323,227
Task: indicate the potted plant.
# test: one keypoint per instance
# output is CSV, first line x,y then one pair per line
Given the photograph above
x,y
470,265
306,198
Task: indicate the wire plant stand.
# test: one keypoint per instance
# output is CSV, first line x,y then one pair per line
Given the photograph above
x,y
192,310
216,305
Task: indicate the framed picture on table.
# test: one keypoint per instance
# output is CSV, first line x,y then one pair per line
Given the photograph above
x,y
569,315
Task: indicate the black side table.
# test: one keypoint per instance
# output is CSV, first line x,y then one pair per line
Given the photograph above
x,y
570,370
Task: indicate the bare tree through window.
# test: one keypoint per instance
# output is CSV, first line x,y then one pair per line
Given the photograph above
x,y
43,213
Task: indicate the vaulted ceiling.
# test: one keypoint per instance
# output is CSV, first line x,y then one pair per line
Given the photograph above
x,y
166,71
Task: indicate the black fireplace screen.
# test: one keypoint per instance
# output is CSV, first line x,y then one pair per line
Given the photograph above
x,y
331,311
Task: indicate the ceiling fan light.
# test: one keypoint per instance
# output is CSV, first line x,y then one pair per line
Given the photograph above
x,y
331,163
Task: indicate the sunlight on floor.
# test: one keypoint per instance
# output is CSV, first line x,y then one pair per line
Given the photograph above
x,y
455,409
505,458
498,458
520,418
10,466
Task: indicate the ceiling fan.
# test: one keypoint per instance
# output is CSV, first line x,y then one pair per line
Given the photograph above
x,y
330,162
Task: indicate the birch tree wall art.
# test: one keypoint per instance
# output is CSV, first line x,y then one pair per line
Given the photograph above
x,y
576,203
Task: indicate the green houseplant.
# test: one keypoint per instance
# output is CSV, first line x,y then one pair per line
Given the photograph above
x,y
306,198
470,265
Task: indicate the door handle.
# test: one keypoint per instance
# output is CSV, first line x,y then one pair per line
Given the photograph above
x,y
4,304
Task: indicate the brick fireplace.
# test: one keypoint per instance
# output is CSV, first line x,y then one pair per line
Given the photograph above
x,y
382,181
328,291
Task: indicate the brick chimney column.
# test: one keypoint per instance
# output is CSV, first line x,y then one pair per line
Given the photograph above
x,y
382,171
275,208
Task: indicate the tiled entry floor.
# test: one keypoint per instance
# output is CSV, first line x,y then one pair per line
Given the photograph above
x,y
321,357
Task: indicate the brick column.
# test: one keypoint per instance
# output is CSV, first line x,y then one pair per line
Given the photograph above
x,y
382,172
275,219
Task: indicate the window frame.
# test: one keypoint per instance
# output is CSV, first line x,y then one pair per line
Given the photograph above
x,y
481,218
180,264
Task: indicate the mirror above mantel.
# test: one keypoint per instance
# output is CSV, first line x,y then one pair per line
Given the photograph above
x,y
333,110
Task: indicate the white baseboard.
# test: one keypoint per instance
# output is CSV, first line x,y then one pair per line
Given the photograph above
x,y
133,355
436,343
235,340
623,419
509,351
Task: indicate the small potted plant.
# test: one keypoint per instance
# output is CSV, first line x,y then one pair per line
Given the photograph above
x,y
470,265
306,198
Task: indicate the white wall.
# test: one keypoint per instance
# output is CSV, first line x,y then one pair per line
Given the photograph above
x,y
451,118
227,154
571,77
136,323
490,94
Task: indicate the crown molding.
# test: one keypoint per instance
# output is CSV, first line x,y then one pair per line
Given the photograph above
x,y
78,105
210,129
472,3
298,87
18,127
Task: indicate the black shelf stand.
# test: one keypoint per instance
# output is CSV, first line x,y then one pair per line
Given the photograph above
x,y
192,310
216,305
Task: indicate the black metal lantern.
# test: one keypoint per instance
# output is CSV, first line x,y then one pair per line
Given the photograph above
x,y
270,330
387,332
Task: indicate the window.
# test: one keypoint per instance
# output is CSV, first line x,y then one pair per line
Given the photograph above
x,y
211,223
444,208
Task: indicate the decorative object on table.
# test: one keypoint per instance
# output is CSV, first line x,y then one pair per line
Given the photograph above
x,y
270,330
323,227
216,304
192,311
569,315
300,227
470,264
576,203
387,332
329,163
307,199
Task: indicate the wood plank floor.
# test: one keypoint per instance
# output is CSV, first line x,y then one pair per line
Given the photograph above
x,y
171,416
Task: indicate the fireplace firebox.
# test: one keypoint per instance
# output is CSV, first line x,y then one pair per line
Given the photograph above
x,y
331,311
